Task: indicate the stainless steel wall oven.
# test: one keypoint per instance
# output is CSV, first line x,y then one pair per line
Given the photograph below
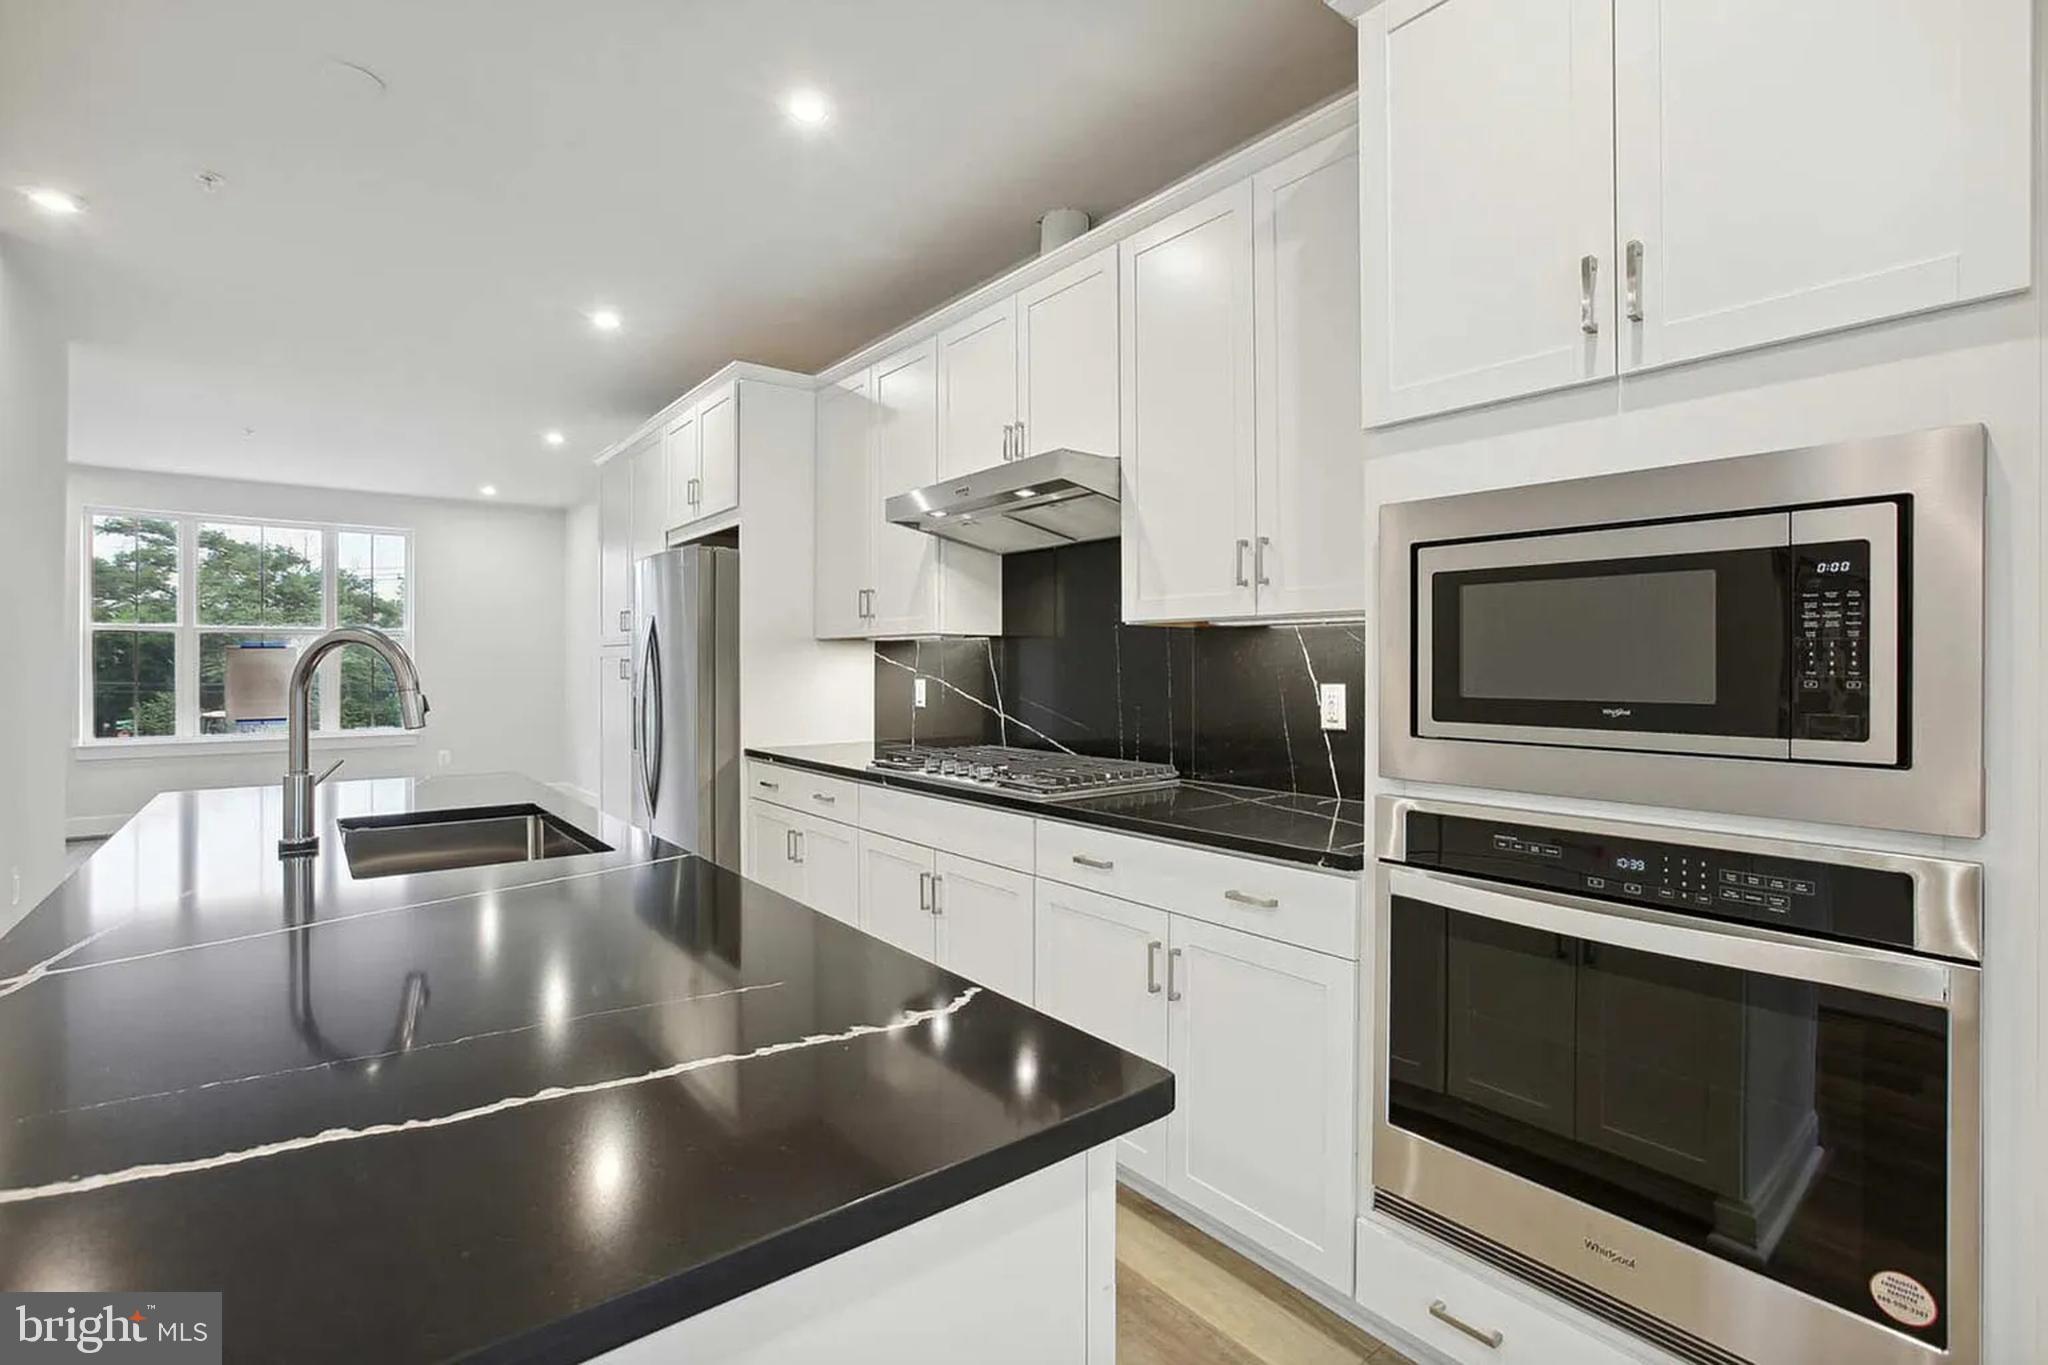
x,y
1794,634
1722,1090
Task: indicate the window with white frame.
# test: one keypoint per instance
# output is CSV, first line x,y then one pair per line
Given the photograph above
x,y
193,623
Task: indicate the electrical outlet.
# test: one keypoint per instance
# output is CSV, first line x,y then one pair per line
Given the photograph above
x,y
917,692
1332,700
443,758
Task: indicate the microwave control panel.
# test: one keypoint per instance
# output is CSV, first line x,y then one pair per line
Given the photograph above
x,y
1834,899
1831,641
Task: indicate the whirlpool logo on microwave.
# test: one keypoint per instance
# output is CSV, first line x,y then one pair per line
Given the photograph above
x,y
181,1328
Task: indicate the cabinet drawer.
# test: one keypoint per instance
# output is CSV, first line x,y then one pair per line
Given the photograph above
x,y
834,798
982,833
1400,1280
1316,910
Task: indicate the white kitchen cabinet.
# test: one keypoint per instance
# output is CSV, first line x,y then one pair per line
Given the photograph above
x,y
904,577
615,730
1189,516
1486,132
844,519
977,392
829,853
896,893
1311,458
984,918
1101,966
771,849
679,442
1782,170
650,495
1261,1136
718,453
615,550
1068,377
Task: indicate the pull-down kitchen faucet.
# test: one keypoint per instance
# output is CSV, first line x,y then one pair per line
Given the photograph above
x,y
299,839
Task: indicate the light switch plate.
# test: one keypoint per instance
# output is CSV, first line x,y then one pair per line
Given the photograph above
x,y
917,692
1331,698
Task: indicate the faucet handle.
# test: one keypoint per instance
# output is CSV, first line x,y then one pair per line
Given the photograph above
x,y
330,771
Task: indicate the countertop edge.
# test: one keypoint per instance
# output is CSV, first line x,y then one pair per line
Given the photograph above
x,y
1228,843
616,1322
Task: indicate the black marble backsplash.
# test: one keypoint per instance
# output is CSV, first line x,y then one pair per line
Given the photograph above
x,y
1221,703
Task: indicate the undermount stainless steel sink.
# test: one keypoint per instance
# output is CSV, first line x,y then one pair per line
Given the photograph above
x,y
433,841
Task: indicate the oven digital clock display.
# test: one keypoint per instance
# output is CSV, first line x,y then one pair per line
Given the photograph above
x,y
1629,862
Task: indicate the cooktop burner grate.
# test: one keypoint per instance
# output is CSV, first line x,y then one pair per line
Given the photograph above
x,y
1037,773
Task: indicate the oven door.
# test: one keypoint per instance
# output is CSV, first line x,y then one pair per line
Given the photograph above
x,y
1766,1142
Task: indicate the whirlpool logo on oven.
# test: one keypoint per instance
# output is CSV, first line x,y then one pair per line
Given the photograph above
x,y
1609,1254
1617,712
181,1328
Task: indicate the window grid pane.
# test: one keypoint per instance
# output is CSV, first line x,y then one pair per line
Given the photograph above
x,y
243,681
134,691
134,570
259,575
369,579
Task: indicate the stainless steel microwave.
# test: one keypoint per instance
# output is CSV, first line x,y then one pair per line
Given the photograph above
x,y
1795,634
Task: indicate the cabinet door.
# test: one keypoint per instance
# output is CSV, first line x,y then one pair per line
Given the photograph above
x,y
984,918
842,511
1774,194
615,726
1486,138
896,893
680,449
1101,967
771,849
718,459
904,583
830,855
977,391
650,496
1068,379
1311,456
1188,475
615,549
1264,1055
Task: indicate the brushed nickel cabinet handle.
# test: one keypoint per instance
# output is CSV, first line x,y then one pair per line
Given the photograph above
x,y
1589,275
798,835
1633,271
765,785
1099,864
1256,902
1021,451
938,893
1173,992
1259,562
1152,966
924,891
1443,1314
625,670
789,846
824,799
1242,581
626,619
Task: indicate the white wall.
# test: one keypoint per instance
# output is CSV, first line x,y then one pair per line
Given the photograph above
x,y
488,631
1977,364
580,601
33,378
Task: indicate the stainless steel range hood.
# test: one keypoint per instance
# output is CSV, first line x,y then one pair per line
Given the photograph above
x,y
1058,497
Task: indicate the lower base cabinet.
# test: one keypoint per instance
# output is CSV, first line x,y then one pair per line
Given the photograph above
x,y
806,858
972,918
1260,1036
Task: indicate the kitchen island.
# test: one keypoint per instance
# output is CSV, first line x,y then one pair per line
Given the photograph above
x,y
615,1100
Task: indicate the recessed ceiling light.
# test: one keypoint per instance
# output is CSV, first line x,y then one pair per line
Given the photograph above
x,y
605,319
54,201
553,438
807,108
489,490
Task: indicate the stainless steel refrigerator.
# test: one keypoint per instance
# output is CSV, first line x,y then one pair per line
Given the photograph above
x,y
686,699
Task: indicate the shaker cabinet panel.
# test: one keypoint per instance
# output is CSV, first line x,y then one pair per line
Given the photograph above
x,y
977,393
896,893
718,459
904,578
771,849
1486,138
1068,379
985,920
680,451
1186,355
650,496
1764,194
615,549
830,855
843,512
615,728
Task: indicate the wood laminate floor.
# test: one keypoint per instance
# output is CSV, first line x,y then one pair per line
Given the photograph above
x,y
1183,1298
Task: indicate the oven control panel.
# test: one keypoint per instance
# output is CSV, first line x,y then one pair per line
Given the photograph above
x,y
1831,641
1837,899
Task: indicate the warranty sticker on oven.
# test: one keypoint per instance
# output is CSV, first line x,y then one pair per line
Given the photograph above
x,y
1903,1298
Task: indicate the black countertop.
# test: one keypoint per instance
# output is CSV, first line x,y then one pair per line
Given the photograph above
x,y
1319,831
521,1112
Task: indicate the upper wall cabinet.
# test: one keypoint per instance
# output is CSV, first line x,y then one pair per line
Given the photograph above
x,y
615,550
718,453
977,392
1783,169
1067,375
1243,472
650,495
878,435
1486,135
1560,190
679,439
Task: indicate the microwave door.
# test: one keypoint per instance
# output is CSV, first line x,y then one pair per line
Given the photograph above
x,y
1670,638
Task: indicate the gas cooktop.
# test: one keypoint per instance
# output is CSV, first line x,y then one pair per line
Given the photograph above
x,y
1034,773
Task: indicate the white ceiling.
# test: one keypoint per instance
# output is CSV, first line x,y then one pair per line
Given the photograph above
x,y
389,290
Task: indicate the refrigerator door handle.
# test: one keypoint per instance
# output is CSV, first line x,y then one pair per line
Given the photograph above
x,y
651,720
